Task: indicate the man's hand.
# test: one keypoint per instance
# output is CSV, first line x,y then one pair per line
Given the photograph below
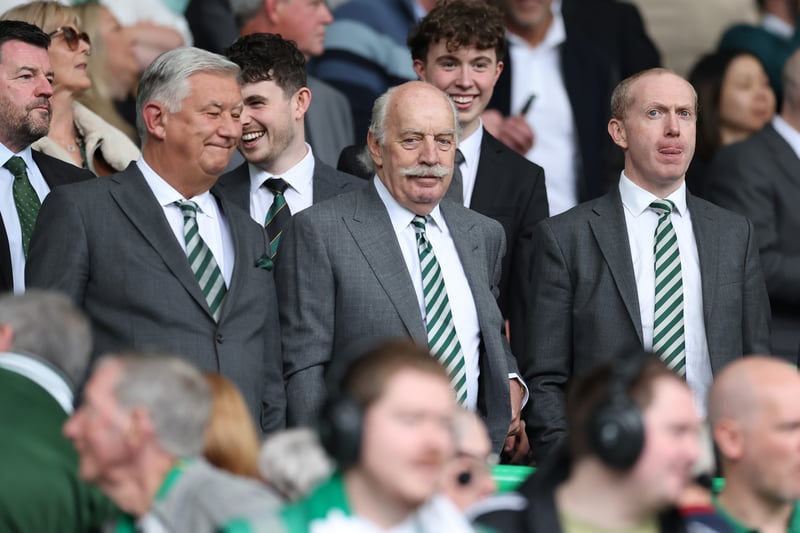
x,y
512,131
516,446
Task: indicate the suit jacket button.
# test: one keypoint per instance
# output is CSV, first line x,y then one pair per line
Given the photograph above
x,y
220,338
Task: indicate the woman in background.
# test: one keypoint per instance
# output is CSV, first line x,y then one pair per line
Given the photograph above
x,y
113,67
77,135
735,101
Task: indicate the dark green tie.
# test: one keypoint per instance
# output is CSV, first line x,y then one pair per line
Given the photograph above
x,y
25,199
278,214
456,190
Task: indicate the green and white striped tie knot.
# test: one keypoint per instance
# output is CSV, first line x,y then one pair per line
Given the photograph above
x,y
669,341
442,338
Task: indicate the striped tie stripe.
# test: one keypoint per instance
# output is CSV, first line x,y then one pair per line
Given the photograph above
x,y
201,260
442,338
668,333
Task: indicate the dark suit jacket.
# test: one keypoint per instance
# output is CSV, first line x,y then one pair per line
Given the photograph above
x,y
760,178
326,183
585,308
107,244
342,282
586,78
55,173
40,487
511,190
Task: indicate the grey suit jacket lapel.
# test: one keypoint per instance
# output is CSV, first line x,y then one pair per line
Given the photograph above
x,y
372,231
467,244
242,261
610,232
706,235
784,155
324,186
236,186
136,200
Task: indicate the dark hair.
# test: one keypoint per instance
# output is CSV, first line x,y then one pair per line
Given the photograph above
x,y
269,57
17,30
460,23
588,392
707,77
365,380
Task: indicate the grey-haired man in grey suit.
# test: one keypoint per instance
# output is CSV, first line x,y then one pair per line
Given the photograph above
x,y
623,272
351,269
159,259
276,99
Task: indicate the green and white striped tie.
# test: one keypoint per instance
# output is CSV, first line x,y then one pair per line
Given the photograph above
x,y
668,335
442,338
201,260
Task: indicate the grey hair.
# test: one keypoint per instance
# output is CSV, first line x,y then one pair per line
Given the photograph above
x,y
377,124
293,462
244,10
49,326
174,393
166,79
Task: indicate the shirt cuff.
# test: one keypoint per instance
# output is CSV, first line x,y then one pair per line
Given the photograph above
x,y
524,396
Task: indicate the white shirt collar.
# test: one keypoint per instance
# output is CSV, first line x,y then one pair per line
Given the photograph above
x,y
26,154
789,134
166,194
777,26
41,374
637,200
299,177
400,216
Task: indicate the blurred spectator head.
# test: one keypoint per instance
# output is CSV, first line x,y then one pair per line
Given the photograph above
x,y
140,412
301,21
293,462
468,477
231,441
752,408
735,99
389,428
47,325
636,422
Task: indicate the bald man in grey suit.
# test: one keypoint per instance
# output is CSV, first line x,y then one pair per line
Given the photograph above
x,y
349,269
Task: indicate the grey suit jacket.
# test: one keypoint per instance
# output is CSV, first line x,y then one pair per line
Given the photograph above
x,y
326,183
328,121
342,282
760,178
107,244
585,308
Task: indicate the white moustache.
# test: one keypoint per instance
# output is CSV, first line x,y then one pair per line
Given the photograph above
x,y
418,171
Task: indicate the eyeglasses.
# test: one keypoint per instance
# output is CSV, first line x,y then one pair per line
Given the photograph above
x,y
72,36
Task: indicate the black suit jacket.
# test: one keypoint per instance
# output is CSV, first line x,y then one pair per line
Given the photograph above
x,y
55,173
327,182
511,190
586,77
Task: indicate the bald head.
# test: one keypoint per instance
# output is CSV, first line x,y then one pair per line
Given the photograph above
x,y
741,390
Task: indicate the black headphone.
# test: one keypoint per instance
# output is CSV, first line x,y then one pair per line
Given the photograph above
x,y
340,427
615,429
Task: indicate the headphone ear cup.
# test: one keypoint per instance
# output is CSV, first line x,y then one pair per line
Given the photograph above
x,y
616,433
340,430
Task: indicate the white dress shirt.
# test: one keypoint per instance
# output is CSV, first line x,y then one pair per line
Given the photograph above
x,y
299,194
462,304
471,150
8,209
41,374
537,71
641,223
212,224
